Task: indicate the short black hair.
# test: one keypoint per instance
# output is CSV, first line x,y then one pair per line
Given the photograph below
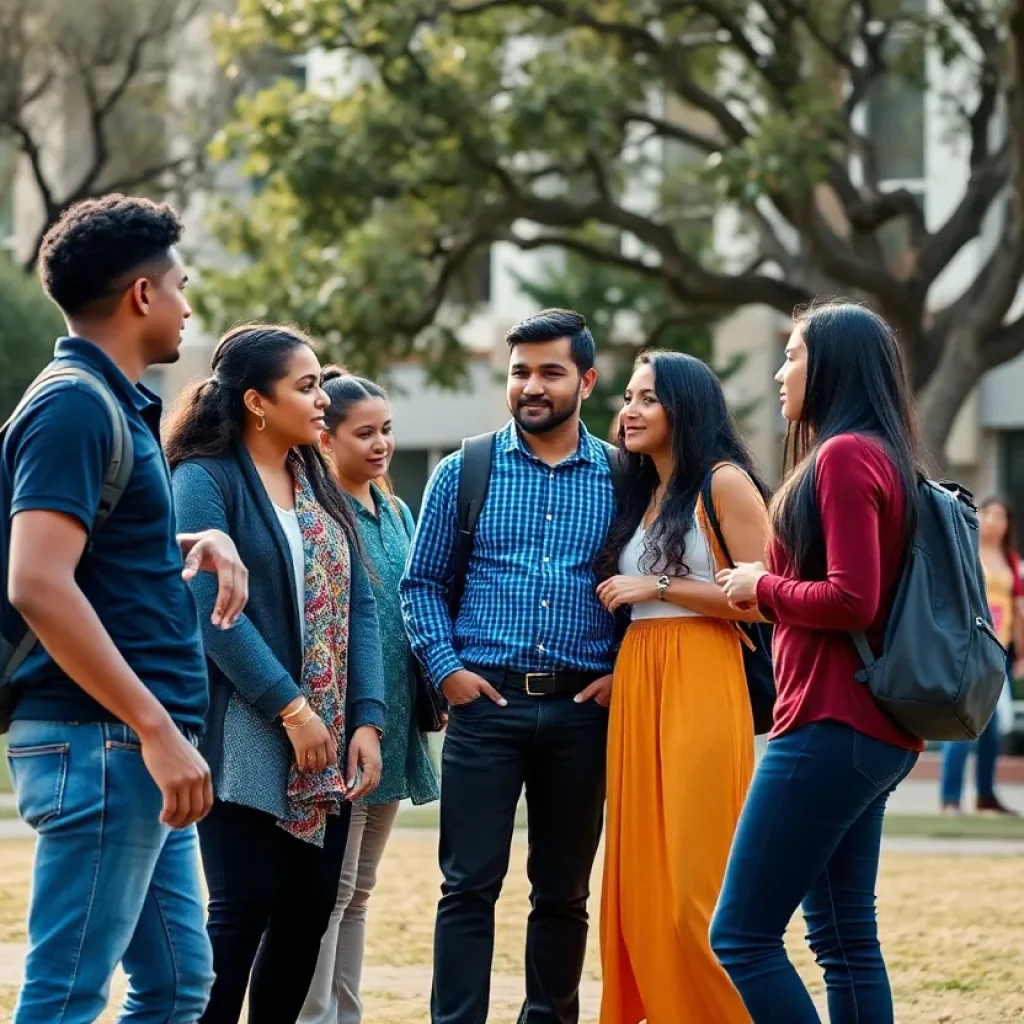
x,y
96,243
551,324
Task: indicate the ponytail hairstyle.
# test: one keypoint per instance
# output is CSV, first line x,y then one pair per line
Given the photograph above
x,y
346,390
207,420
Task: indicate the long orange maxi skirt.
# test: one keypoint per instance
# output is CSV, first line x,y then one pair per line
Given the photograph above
x,y
680,758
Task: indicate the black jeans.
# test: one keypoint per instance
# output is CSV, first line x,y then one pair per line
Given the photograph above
x,y
810,833
271,893
556,748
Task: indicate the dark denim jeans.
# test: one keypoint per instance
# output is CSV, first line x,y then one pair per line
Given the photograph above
x,y
556,749
810,834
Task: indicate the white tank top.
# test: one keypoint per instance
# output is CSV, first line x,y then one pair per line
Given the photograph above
x,y
699,558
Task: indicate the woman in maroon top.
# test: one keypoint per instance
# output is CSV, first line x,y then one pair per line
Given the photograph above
x,y
811,828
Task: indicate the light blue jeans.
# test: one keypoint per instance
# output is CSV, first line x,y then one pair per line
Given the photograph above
x,y
110,883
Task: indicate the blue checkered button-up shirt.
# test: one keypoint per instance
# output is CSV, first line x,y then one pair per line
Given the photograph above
x,y
529,604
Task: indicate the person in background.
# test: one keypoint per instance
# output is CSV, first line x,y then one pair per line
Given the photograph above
x,y
681,733
1000,562
526,667
109,705
296,681
358,443
811,829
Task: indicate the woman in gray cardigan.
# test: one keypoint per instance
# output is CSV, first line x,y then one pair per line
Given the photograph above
x,y
297,689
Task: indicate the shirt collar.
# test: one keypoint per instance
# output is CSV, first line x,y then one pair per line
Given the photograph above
x,y
509,440
137,396
379,501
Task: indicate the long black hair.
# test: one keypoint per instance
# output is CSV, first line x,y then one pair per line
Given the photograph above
x,y
857,383
704,433
207,420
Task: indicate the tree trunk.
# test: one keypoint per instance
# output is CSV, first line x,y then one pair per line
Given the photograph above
x,y
940,400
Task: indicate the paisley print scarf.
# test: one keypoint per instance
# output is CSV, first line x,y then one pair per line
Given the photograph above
x,y
312,796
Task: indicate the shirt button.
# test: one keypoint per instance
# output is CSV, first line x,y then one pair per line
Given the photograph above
x,y
546,558
549,517
543,604
540,647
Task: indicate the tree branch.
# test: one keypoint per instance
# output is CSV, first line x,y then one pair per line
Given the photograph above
x,y
671,130
965,222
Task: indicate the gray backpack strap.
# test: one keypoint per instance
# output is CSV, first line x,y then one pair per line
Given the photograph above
x,y
474,481
867,656
119,471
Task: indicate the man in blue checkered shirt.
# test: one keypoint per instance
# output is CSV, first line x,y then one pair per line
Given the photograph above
x,y
526,668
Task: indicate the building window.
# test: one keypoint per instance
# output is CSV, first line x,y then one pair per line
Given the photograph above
x,y
895,109
409,474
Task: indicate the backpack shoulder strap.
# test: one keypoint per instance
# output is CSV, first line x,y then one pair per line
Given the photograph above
x,y
122,452
618,471
710,513
115,481
474,481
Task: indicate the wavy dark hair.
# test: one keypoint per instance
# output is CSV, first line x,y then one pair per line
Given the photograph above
x,y
704,433
857,383
207,420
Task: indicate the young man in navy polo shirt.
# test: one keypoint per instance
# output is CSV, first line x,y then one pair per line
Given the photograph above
x,y
111,701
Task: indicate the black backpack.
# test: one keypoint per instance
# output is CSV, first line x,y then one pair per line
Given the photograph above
x,y
474,481
16,639
756,637
942,668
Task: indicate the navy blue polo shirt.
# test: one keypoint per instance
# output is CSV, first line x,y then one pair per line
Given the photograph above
x,y
55,457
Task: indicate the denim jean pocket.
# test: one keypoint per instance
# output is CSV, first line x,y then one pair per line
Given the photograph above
x,y
39,774
881,763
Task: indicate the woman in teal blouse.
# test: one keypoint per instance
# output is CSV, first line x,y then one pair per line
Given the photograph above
x,y
359,444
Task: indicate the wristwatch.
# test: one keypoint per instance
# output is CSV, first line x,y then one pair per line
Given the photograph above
x,y
663,582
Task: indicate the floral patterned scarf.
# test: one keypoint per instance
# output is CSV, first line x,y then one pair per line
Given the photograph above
x,y
312,796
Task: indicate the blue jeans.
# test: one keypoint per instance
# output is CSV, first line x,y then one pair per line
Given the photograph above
x,y
110,883
810,834
954,764
986,750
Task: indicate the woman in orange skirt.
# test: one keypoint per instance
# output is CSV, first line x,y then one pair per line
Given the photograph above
x,y
681,738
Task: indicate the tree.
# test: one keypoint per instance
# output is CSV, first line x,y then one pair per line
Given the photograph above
x,y
29,325
86,99
627,313
456,124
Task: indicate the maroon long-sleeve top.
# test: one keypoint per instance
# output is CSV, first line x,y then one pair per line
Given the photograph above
x,y
861,503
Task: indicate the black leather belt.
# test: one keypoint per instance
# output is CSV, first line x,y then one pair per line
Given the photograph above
x,y
537,684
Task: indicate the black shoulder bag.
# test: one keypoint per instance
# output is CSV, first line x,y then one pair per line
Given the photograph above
x,y
755,636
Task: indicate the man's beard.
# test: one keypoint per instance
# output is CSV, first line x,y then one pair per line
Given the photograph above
x,y
544,425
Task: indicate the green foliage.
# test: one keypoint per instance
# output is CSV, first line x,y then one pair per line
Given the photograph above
x,y
615,130
29,325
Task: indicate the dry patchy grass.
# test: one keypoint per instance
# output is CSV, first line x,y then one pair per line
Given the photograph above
x,y
952,926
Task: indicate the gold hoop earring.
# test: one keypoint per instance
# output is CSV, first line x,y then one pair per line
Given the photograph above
x,y
262,425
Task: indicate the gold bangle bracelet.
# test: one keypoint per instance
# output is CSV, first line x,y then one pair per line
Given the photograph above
x,y
301,724
298,711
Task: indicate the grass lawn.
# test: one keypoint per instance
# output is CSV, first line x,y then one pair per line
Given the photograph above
x,y
974,826
952,927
